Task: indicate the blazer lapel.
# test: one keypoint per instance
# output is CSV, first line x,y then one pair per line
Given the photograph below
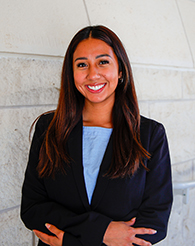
x,y
75,150
103,181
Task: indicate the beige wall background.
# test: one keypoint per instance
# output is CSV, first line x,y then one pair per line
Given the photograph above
x,y
159,36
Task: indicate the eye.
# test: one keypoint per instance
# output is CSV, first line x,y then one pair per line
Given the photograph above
x,y
104,62
81,65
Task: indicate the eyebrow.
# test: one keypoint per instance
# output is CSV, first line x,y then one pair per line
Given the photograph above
x,y
85,58
103,55
81,58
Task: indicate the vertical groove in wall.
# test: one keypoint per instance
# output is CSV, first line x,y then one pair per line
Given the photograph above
x,y
193,169
33,239
185,32
87,12
182,87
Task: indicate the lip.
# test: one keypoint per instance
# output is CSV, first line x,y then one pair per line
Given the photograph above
x,y
97,88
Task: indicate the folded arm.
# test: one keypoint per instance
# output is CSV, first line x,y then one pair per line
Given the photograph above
x,y
155,208
37,208
92,228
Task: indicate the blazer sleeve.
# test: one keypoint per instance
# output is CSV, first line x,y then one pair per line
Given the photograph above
x,y
157,200
37,208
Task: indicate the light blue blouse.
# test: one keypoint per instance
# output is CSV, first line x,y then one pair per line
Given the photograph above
x,y
95,141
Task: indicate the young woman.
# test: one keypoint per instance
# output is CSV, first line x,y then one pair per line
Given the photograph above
x,y
98,172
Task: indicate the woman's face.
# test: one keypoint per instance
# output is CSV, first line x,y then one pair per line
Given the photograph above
x,y
96,70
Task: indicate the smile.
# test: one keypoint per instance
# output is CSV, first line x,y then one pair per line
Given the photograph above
x,y
96,87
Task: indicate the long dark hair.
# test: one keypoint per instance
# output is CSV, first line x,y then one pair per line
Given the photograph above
x,y
128,152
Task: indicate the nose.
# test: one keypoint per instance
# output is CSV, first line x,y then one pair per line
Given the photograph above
x,y
93,73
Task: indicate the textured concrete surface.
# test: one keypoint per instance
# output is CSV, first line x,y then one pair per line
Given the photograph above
x,y
187,10
40,27
14,146
188,79
29,81
12,230
183,172
157,83
178,118
153,32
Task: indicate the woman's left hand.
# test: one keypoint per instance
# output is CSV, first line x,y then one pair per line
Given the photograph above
x,y
51,240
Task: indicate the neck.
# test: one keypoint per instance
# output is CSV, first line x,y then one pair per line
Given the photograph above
x,y
97,114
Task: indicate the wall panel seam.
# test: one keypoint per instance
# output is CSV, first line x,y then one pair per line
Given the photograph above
x,y
5,210
183,162
26,106
185,33
60,58
87,12
166,100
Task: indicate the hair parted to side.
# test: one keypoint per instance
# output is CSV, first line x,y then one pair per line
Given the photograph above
x,y
128,152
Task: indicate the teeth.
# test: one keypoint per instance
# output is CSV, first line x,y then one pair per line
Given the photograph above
x,y
96,87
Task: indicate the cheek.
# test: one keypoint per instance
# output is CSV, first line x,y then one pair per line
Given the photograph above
x,y
79,84
113,78
77,79
112,73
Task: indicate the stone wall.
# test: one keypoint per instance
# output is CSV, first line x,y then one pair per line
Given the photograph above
x,y
160,39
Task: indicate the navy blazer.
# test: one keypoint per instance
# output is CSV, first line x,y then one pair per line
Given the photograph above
x,y
63,201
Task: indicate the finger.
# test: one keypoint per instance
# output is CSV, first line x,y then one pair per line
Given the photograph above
x,y
141,242
59,233
145,231
50,240
131,222
53,229
42,236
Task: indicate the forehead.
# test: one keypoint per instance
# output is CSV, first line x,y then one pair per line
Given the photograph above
x,y
93,47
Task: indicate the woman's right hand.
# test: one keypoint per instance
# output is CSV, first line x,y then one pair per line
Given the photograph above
x,y
55,240
120,233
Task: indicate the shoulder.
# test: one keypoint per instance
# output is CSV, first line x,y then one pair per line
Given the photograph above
x,y
151,131
45,119
42,123
149,125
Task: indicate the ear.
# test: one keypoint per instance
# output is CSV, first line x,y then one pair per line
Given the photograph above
x,y
120,75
